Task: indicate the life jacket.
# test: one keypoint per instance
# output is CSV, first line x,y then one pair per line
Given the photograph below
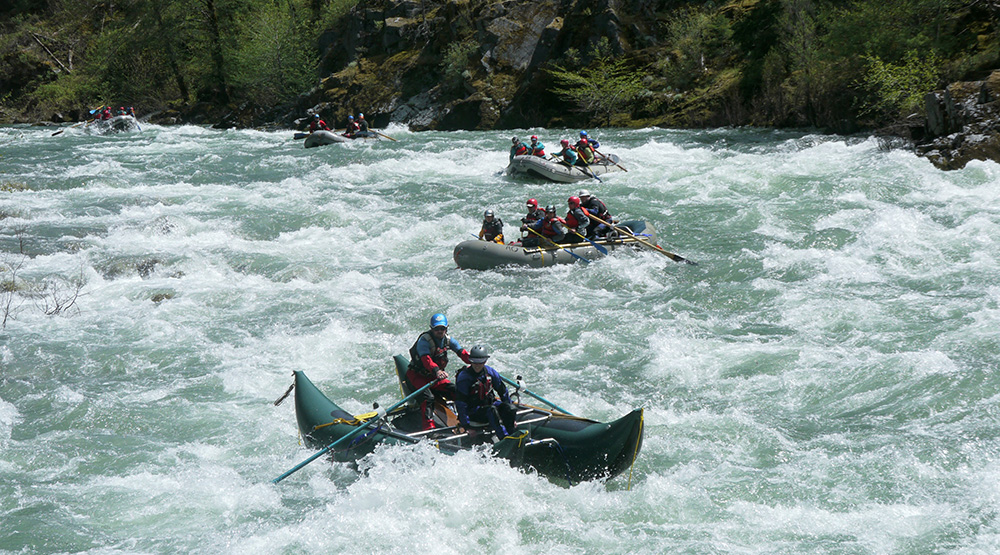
x,y
482,390
547,226
571,220
492,229
534,216
520,150
353,127
539,150
438,354
586,153
363,125
596,207
317,124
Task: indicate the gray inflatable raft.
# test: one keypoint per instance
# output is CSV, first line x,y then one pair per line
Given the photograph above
x,y
482,255
555,171
324,137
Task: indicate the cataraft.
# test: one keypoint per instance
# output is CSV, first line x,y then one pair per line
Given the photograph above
x,y
475,254
550,441
324,137
557,171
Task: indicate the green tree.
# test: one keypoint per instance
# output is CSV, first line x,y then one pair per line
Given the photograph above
x,y
898,90
604,88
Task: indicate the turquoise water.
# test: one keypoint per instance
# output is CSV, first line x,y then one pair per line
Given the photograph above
x,y
825,380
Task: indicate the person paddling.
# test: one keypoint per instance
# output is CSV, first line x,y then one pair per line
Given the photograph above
x,y
362,124
481,395
352,127
534,212
567,153
492,229
428,358
317,123
577,219
518,148
537,148
551,227
597,208
592,142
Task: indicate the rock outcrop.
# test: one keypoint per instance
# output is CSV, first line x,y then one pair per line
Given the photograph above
x,y
963,124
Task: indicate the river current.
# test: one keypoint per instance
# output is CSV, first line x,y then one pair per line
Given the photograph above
x,y
825,380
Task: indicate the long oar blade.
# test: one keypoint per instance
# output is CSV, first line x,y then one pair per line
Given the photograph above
x,y
357,431
670,255
600,248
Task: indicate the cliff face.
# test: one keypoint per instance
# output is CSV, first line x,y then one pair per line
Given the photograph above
x,y
466,64
963,124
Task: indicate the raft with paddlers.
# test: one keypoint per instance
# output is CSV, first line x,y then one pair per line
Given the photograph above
x,y
548,439
323,137
557,171
117,124
483,255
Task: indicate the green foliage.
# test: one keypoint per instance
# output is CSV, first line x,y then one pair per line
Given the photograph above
x,y
898,90
697,38
271,64
332,12
455,61
605,88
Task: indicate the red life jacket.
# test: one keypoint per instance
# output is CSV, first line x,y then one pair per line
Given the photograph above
x,y
521,150
547,226
538,152
571,219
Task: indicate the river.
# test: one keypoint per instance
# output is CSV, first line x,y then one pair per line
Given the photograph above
x,y
825,380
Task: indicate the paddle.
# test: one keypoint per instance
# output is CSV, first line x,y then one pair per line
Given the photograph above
x,y
573,254
670,255
572,166
358,430
606,157
542,399
599,248
381,135
299,136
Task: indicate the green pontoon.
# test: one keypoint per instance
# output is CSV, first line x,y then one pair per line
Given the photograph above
x,y
549,441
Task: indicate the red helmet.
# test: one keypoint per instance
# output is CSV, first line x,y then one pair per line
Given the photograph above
x,y
574,202
534,137
564,142
532,203
583,141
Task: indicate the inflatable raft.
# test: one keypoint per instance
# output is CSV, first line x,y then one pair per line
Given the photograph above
x,y
323,137
117,124
551,442
482,255
554,171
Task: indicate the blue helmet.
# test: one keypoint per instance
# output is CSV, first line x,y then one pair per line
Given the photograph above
x,y
315,116
583,133
350,117
439,320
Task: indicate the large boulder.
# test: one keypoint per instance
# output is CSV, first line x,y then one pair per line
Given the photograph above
x,y
963,123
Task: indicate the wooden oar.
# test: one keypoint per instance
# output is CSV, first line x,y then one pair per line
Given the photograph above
x,y
571,167
381,135
364,426
573,254
670,255
606,157
599,248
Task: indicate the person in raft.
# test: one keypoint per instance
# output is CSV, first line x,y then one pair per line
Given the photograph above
x,y
597,208
428,359
567,153
518,148
482,396
537,148
534,212
592,142
362,124
551,227
352,127
492,229
317,123
577,220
